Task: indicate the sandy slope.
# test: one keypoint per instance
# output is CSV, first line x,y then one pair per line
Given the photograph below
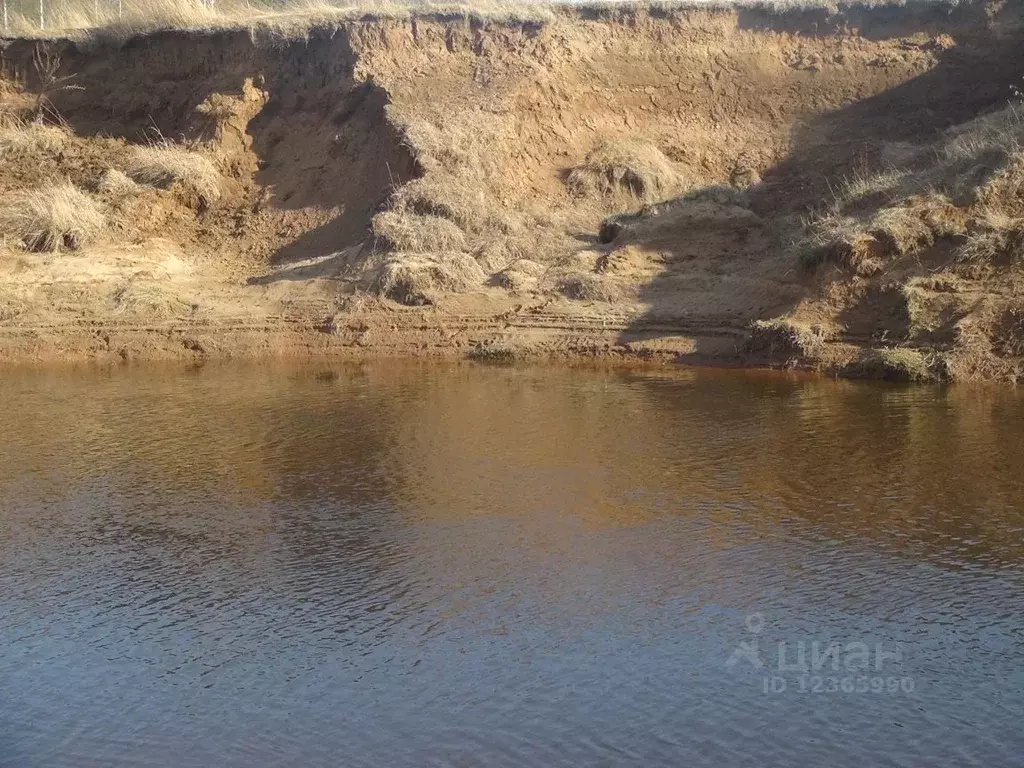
x,y
464,133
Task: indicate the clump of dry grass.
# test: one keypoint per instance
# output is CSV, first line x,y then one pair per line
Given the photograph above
x,y
459,151
416,233
783,340
520,275
865,245
497,351
635,166
116,184
119,20
416,279
871,191
993,239
462,201
591,287
706,209
12,304
721,195
164,165
903,210
923,305
154,299
1008,330
54,216
21,138
896,364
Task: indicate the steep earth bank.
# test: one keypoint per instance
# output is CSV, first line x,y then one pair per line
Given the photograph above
x,y
810,188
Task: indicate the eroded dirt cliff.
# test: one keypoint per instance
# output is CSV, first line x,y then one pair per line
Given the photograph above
x,y
645,182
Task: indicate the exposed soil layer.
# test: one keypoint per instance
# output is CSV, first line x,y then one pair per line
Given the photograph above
x,y
613,182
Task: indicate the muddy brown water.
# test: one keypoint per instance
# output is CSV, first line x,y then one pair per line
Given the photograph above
x,y
460,565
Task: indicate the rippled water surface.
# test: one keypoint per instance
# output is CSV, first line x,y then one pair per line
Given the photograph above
x,y
419,565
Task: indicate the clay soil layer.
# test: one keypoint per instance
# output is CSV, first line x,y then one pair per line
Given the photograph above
x,y
636,182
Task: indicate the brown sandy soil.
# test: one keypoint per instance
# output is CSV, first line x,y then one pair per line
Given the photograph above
x,y
666,183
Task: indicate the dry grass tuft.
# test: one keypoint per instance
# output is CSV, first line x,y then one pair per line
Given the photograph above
x,y
630,165
164,165
871,190
718,194
21,138
12,304
416,279
54,216
922,317
783,341
591,287
896,364
705,209
866,245
154,299
497,351
520,275
463,201
903,210
993,239
900,231
119,21
416,233
115,184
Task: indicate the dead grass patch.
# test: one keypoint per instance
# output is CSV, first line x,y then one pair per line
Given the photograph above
x,y
12,304
866,245
115,184
520,275
783,341
416,233
1008,332
896,364
591,287
635,166
154,299
165,165
497,351
463,202
993,239
21,138
416,279
903,210
54,216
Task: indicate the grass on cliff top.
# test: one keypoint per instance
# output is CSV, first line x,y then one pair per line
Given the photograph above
x,y
87,19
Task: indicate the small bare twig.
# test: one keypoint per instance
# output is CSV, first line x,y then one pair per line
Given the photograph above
x,y
47,68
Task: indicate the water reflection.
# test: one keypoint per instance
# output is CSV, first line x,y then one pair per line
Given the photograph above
x,y
416,564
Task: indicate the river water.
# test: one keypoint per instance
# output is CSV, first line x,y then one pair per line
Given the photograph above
x,y
402,564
